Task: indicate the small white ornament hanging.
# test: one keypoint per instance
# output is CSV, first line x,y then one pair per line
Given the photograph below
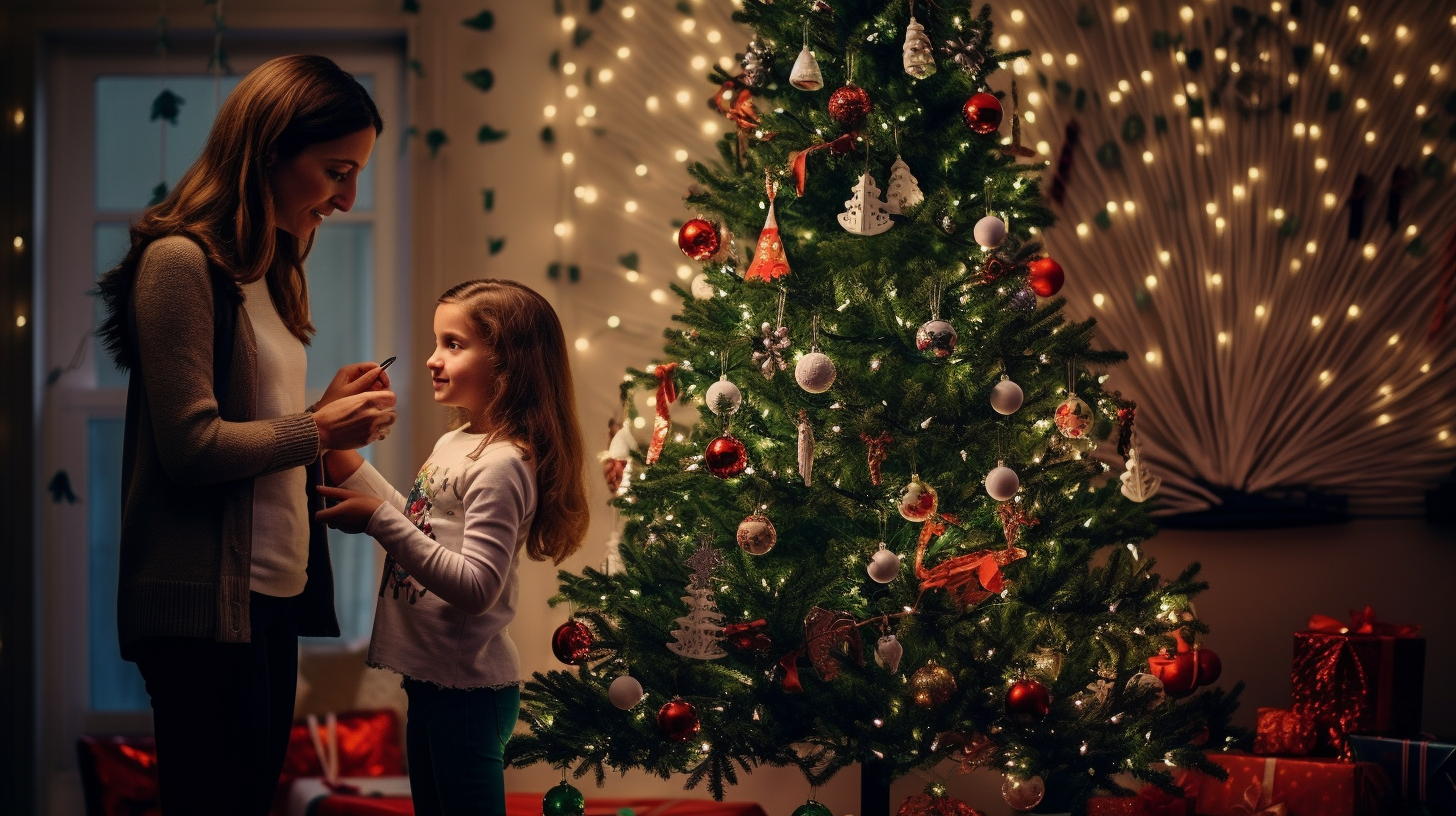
x,y
815,372
904,189
805,74
702,289
1138,483
990,232
612,558
756,534
919,57
625,692
1006,397
1002,482
888,652
1144,682
867,213
884,565
723,397
806,448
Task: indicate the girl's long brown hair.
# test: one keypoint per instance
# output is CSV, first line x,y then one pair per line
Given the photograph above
x,y
224,201
533,402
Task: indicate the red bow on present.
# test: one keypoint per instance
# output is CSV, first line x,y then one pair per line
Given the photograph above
x,y
1362,622
662,422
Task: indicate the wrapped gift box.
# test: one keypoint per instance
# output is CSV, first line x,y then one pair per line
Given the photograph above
x,y
1423,772
1150,801
1304,786
1366,676
1284,733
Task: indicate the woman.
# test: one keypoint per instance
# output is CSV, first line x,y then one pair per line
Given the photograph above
x,y
222,566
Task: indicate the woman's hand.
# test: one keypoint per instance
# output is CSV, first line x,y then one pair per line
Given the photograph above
x,y
351,511
351,380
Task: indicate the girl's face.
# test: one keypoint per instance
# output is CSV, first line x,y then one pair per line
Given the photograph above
x,y
322,178
461,367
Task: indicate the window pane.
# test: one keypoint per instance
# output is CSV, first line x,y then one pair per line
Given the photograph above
x,y
110,243
116,685
341,299
130,144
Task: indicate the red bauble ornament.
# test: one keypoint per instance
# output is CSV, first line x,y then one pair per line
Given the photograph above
x,y
1178,671
1209,666
1028,699
725,456
982,113
678,721
572,642
698,239
849,105
1046,277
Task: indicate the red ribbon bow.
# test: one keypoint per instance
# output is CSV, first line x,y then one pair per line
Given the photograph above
x,y
1362,622
738,107
799,160
749,637
971,578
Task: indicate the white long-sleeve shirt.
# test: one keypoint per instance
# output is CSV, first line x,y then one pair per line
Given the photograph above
x,y
449,588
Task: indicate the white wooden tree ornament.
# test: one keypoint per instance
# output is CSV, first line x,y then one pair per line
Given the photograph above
x,y
904,190
1138,483
867,213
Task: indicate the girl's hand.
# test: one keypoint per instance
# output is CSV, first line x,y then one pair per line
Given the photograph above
x,y
351,510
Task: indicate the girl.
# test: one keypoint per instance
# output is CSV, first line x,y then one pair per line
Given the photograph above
x,y
221,567
511,477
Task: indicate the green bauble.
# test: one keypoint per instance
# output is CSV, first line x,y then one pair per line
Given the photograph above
x,y
812,808
564,800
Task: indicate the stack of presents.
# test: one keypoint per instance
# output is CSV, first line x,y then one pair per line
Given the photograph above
x,y
1350,744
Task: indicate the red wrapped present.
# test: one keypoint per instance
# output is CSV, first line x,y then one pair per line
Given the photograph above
x,y
353,743
1269,786
1363,676
119,775
1284,733
1423,771
1150,801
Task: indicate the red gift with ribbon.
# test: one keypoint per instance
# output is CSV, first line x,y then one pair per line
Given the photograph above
x,y
1283,732
1150,801
1364,676
1269,786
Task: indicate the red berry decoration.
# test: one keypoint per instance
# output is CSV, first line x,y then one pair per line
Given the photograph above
x,y
572,642
725,457
849,105
678,721
698,239
1028,699
1046,277
982,113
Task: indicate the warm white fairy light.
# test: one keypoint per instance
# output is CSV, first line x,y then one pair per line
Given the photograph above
x,y
699,62
1114,97
1044,147
1435,70
1121,14
633,276
568,157
562,229
572,91
1352,312
1398,79
568,23
1314,131
1238,191
1321,163
549,111
1099,300
1334,69
1151,282
1129,207
1186,14
1071,60
1018,16
1047,59
1261,311
688,25
624,52
1411,231
569,69
681,155
630,206
1369,137
582,344
1146,77
628,12
1310,247
1368,251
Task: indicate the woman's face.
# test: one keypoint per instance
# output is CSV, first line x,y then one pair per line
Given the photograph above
x,y
322,178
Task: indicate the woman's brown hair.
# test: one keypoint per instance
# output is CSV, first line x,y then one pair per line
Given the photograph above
x,y
224,201
533,402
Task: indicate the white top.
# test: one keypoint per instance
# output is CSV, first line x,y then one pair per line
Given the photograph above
x,y
449,588
280,499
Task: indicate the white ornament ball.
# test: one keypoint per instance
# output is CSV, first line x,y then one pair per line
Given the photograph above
x,y
702,289
1006,397
884,565
815,372
1002,483
625,692
723,397
990,232
1142,681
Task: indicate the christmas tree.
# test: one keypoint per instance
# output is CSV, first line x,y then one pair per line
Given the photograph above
x,y
914,549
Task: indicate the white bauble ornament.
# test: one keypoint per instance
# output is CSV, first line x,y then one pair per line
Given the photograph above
x,y
702,289
1142,681
935,339
1007,396
884,565
625,692
805,75
723,397
888,653
990,232
815,372
917,500
1002,482
756,534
